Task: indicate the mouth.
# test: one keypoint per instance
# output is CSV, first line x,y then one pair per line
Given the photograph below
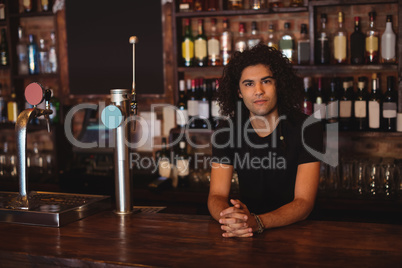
x,y
260,101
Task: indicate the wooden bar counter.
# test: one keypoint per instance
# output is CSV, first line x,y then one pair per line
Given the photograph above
x,y
176,240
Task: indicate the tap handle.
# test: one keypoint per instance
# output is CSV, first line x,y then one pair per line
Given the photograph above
x,y
48,95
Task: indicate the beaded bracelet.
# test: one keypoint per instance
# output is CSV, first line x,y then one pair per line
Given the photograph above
x,y
261,226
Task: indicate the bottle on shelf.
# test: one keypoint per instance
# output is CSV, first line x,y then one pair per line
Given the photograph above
x,y
22,53
200,46
360,105
52,54
214,58
296,3
212,5
374,105
43,57
164,165
2,10
332,104
340,42
186,6
322,49
187,45
346,106
3,105
181,112
183,166
226,40
12,108
275,3
254,37
203,105
389,106
303,46
241,40
29,5
33,56
46,5
235,4
357,44
257,4
4,55
215,109
286,43
55,107
388,43
372,43
192,106
319,104
307,106
272,41
198,5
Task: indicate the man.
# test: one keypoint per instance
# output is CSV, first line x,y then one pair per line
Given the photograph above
x,y
262,141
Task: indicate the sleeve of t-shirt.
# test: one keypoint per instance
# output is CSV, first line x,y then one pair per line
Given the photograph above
x,y
313,143
222,145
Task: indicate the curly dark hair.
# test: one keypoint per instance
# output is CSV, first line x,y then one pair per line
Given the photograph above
x,y
289,86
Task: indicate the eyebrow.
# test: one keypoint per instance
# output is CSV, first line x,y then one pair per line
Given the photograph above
x,y
262,79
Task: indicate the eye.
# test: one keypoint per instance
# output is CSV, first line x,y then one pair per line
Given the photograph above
x,y
248,84
267,81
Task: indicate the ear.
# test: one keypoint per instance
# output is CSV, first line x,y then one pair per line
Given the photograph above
x,y
239,93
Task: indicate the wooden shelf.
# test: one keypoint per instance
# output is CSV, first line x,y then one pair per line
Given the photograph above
x,y
32,14
350,2
35,76
240,12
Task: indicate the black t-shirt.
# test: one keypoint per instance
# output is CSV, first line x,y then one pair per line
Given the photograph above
x,y
267,166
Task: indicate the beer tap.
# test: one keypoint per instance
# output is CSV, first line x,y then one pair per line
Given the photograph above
x,y
48,95
133,105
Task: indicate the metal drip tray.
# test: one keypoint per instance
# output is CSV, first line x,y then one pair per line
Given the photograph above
x,y
51,209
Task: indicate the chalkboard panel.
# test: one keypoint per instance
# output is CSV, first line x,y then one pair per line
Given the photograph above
x,y
99,52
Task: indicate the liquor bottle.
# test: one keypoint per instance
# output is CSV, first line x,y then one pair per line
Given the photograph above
x,y
303,46
372,41
346,107
255,37
200,46
296,3
183,166
29,5
332,104
256,4
181,112
46,5
203,105
374,105
212,5
319,105
307,106
186,6
198,5
22,50
187,45
2,10
357,44
389,106
388,42
286,43
235,4
55,107
192,106
241,40
360,105
322,50
275,3
4,56
164,165
52,54
340,42
272,41
226,40
33,56
12,108
214,58
43,57
215,108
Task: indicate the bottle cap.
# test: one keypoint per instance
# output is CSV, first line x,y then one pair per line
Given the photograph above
x,y
389,18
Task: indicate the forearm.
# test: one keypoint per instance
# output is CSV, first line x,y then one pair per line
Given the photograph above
x,y
216,204
295,211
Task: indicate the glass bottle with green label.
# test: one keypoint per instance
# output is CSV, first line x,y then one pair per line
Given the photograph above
x,y
187,45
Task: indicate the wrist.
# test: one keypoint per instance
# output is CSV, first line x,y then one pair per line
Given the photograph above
x,y
260,225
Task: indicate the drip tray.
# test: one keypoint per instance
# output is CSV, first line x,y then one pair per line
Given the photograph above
x,y
52,209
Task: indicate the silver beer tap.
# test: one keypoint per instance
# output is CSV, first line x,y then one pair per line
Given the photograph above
x,y
133,105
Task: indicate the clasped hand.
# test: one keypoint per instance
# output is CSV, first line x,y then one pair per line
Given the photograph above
x,y
237,221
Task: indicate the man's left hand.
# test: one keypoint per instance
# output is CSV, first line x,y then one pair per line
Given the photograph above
x,y
237,221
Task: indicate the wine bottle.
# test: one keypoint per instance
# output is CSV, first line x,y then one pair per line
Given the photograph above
x,y
272,41
215,108
33,56
346,107
164,165
22,56
192,106
241,40
4,56
200,46
374,105
307,106
319,104
235,4
275,3
43,57
255,37
183,166
181,112
46,5
286,43
303,46
214,58
55,107
12,108
186,6
29,5
203,105
226,40
187,45
372,41
389,106
360,105
2,10
357,44
52,54
340,42
322,50
388,43
332,104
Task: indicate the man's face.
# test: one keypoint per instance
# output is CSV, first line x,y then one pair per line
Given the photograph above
x,y
258,90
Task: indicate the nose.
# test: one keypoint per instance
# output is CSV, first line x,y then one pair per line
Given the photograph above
x,y
258,89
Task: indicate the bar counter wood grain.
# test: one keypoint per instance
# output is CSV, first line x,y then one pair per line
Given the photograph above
x,y
170,240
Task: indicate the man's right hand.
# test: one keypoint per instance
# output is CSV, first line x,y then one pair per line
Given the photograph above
x,y
236,220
